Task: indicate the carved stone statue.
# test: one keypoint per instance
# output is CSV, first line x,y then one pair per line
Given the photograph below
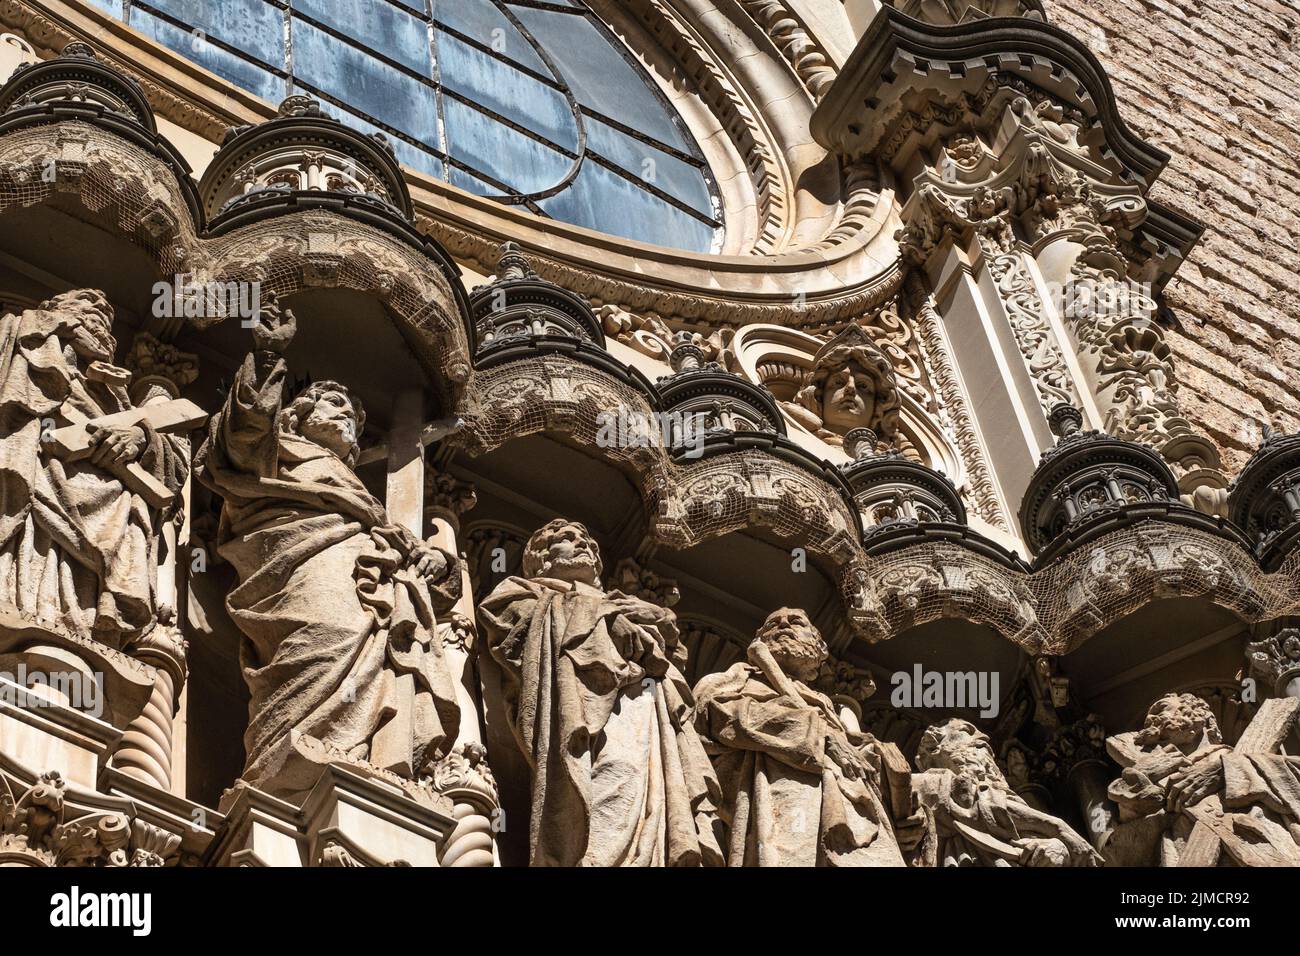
x,y
800,789
78,538
851,385
1179,776
600,709
974,818
336,603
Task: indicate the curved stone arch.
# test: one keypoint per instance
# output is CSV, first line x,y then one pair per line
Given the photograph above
x,y
933,581
737,486
849,236
136,195
116,185
1115,575
320,249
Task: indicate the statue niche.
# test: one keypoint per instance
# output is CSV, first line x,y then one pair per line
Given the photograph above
x,y
799,787
851,384
336,603
599,708
86,478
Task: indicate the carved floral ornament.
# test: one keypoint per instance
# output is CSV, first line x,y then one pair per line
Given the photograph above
x,y
45,822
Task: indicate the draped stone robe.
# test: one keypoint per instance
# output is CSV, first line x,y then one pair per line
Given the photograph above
x,y
1260,796
77,547
340,645
978,824
603,716
784,797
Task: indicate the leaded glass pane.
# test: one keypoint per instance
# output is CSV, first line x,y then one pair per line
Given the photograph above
x,y
532,103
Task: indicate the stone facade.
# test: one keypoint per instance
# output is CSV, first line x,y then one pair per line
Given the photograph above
x,y
1217,89
350,519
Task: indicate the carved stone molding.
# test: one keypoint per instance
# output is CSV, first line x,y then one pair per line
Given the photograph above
x,y
44,822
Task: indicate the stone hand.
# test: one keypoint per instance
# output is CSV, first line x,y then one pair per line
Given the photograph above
x,y
274,329
642,612
429,563
910,831
845,757
1193,784
116,445
1043,851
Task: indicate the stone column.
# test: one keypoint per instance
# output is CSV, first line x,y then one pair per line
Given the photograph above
x,y
149,746
464,775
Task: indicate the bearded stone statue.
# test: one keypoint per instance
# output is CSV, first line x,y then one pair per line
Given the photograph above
x,y
601,712
336,604
1175,767
850,385
78,547
974,818
799,788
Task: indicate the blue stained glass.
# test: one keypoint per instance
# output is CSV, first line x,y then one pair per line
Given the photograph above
x,y
471,184
463,79
362,81
636,214
109,6
506,91
378,25
254,26
480,141
599,74
226,65
679,179
406,153
482,22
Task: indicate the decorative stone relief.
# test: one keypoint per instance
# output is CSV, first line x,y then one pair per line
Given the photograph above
x,y
960,785
1187,799
78,456
851,384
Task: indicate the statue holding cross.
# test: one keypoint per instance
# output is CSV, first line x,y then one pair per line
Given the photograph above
x,y
86,477
1185,798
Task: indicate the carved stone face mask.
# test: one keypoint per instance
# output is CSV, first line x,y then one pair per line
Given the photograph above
x,y
848,399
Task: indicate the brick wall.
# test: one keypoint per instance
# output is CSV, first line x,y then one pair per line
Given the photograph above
x,y
1215,85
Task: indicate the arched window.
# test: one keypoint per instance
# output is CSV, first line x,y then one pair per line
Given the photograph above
x,y
531,102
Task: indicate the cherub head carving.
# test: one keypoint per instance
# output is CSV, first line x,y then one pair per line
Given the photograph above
x,y
959,746
92,317
851,385
1183,720
330,415
795,644
564,550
